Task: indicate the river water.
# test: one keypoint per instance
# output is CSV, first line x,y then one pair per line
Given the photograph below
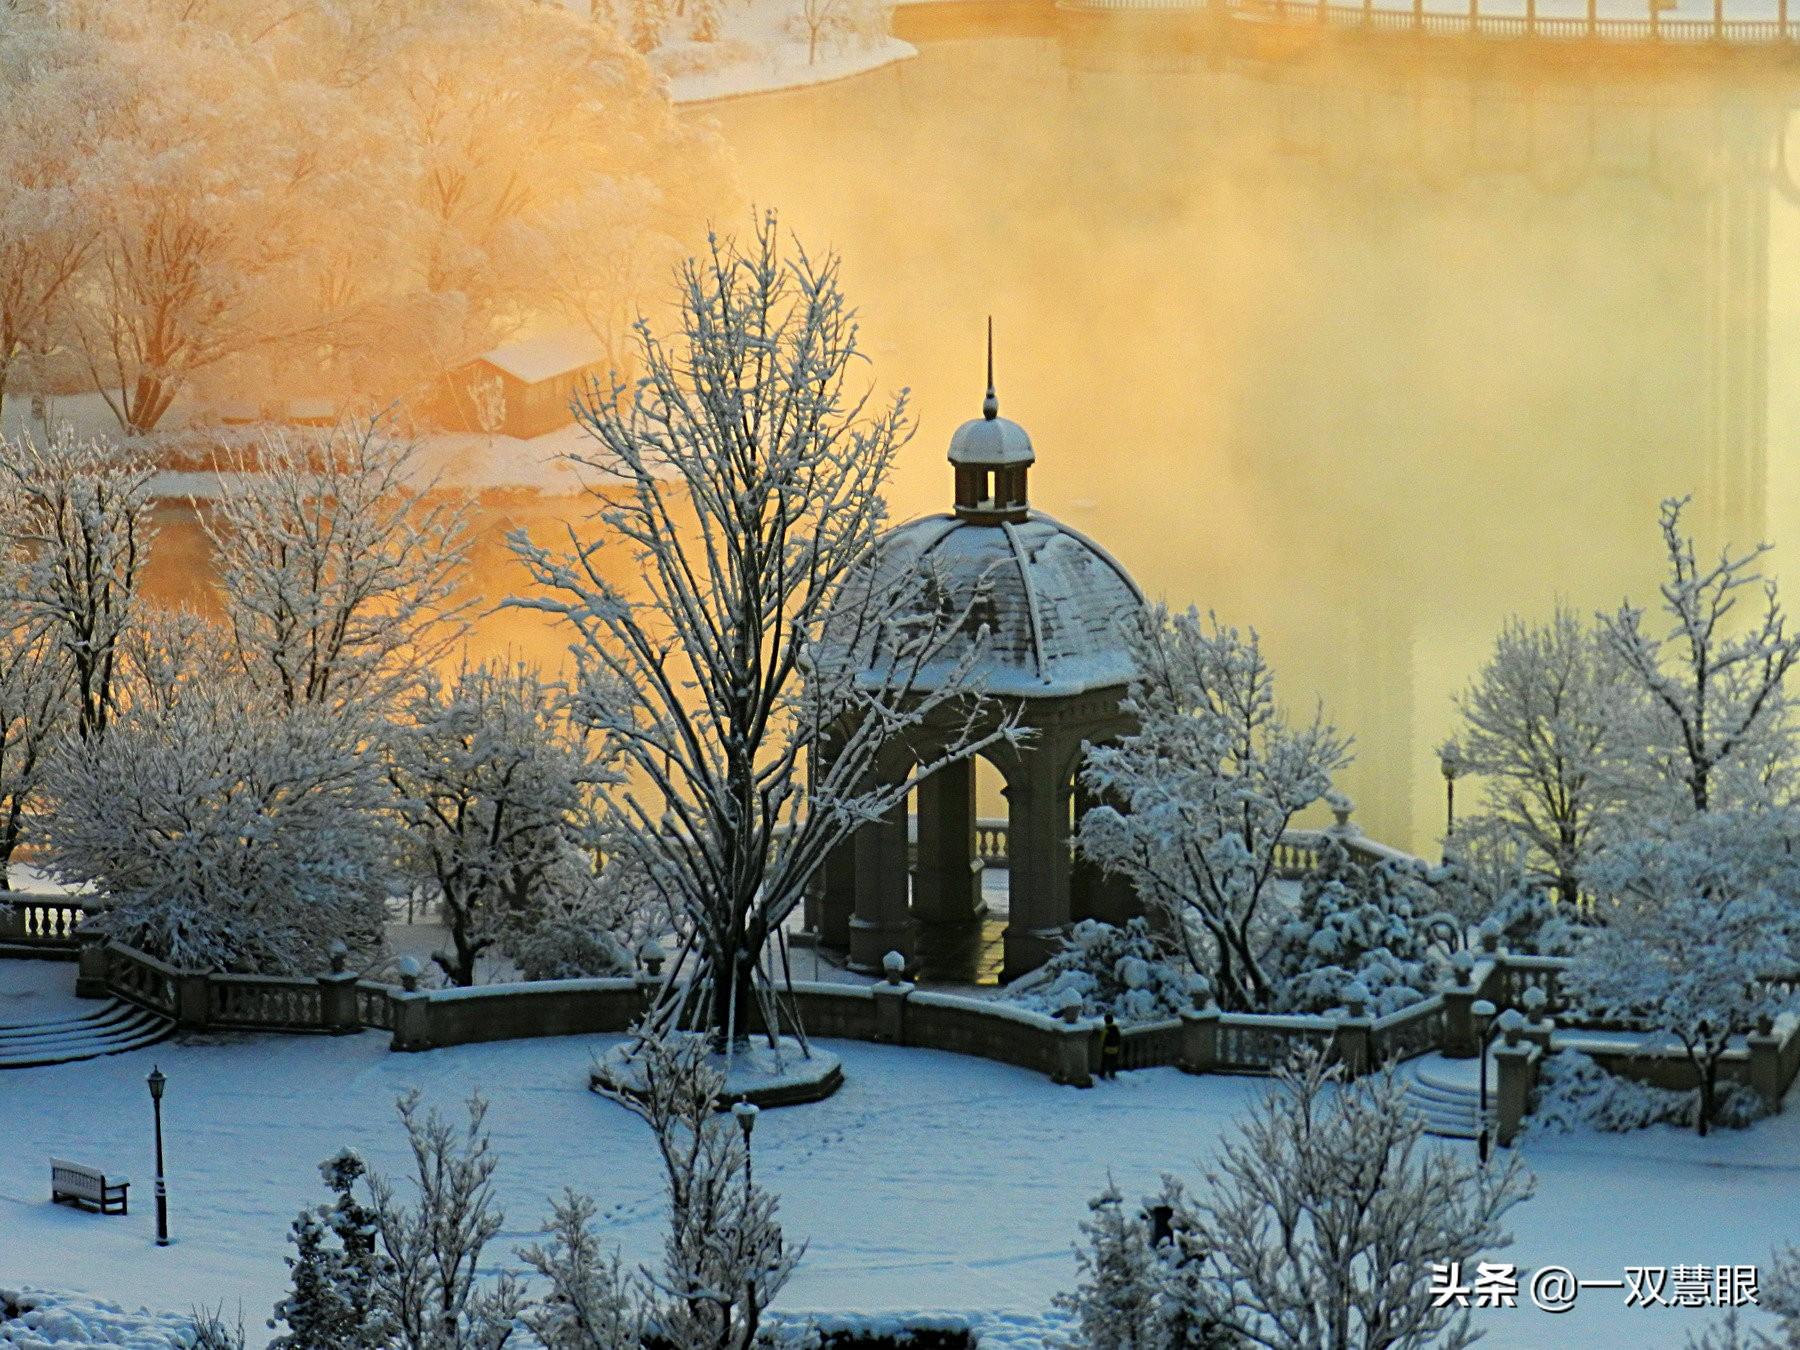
x,y
1363,344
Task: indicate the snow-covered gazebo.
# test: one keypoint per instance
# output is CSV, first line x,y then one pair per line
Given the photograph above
x,y
1052,602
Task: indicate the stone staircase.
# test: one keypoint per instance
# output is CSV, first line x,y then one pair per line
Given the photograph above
x,y
108,1030
1445,1095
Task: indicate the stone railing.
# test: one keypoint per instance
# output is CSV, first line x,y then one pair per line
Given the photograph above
x,y
264,1002
1387,16
201,1000
34,924
128,974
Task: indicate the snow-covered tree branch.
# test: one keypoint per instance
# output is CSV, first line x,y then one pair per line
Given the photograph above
x,y
748,682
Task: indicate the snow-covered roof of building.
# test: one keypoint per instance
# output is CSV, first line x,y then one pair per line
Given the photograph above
x,y
547,355
1051,600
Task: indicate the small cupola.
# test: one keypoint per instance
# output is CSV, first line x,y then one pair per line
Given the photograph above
x,y
992,457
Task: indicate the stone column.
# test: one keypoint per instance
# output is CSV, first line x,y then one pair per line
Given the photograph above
x,y
1765,1068
946,884
338,1012
1038,863
836,890
1199,1040
90,972
883,919
1517,1065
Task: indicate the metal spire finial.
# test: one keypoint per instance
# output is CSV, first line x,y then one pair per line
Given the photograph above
x,y
990,406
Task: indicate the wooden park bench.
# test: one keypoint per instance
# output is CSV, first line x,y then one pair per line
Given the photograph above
x,y
84,1186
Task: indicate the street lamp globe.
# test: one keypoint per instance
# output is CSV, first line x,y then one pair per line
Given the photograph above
x,y
157,1080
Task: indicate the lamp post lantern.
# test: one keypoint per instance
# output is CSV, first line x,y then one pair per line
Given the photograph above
x,y
745,1114
157,1081
1451,762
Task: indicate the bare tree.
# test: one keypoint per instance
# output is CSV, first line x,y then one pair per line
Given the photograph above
x,y
338,571
725,1258
594,1303
1545,718
431,1283
1323,1219
1716,690
34,690
752,507
83,523
1195,801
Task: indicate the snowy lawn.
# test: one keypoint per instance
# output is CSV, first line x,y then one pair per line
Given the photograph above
x,y
931,1181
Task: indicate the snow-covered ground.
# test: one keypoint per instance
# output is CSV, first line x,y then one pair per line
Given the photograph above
x,y
931,1181
777,65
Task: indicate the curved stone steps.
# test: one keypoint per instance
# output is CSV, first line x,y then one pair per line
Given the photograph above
x,y
110,1030
1447,1106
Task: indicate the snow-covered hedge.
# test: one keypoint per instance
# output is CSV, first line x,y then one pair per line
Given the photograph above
x,y
1122,971
35,1319
1574,1092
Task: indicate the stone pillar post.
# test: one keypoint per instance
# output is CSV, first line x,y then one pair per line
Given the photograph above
x,y
337,1002
1765,1068
1074,1054
90,968
1038,863
883,919
947,885
890,1011
1517,1065
1199,1040
836,887
1351,1046
1459,1021
191,1007
412,1020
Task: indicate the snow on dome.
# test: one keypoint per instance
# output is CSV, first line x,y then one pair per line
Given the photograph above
x,y
994,441
1053,600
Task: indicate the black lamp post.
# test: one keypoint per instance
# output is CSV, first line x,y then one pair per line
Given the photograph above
x,y
1450,761
158,1081
745,1114
1486,1027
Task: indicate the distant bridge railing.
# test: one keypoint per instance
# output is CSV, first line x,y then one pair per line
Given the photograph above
x,y
1389,17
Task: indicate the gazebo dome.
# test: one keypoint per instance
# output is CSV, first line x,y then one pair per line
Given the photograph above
x,y
1051,599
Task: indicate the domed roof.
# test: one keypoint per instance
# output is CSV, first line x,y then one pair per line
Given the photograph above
x,y
991,440
1052,601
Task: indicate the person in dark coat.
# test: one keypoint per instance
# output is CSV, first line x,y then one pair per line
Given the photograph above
x,y
1112,1042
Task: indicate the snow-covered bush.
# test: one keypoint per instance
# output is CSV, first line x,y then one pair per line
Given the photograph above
x,y
1194,803
1574,1092
594,1303
1486,882
1123,971
584,923
333,1301
231,835
1362,929
36,1319
1319,1226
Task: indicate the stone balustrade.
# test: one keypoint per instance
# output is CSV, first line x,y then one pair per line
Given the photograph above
x,y
33,924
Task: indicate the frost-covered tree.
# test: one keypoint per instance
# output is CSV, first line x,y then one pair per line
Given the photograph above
x,y
585,922
34,684
1543,724
1325,1212
1116,1304
333,1303
1127,971
1717,728
748,681
1195,801
1359,934
496,799
430,1281
82,525
725,1258
593,1303
338,570
1778,1294
231,834
1702,911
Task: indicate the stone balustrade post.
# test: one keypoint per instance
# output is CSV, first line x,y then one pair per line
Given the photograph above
x,y
1074,1054
90,964
412,1019
1765,1068
1352,1045
191,1004
338,1012
1517,1067
1199,1040
890,1011
1459,1021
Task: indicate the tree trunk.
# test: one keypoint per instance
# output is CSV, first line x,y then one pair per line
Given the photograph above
x,y
1708,1079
